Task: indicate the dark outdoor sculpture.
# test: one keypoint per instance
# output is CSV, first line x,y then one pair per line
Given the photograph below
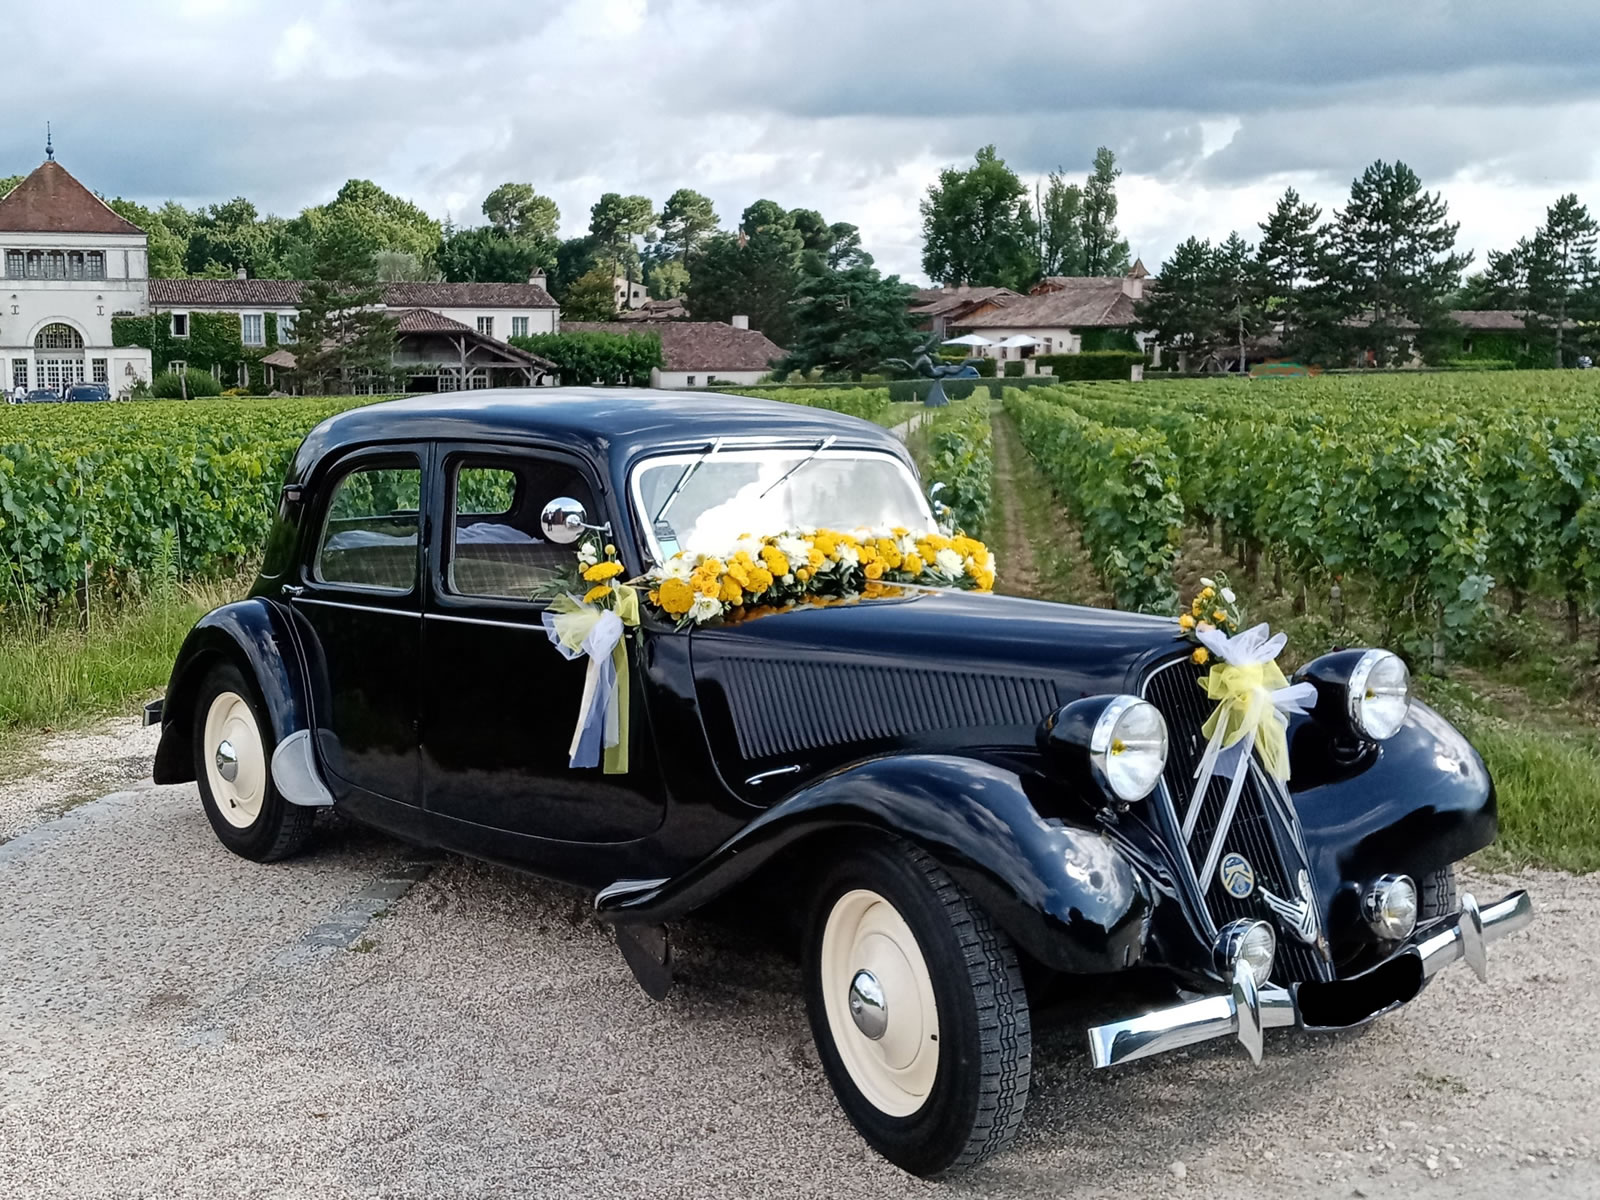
x,y
924,366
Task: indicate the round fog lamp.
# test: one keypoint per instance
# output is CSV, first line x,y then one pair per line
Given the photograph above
x,y
1390,907
1129,747
1380,694
1250,942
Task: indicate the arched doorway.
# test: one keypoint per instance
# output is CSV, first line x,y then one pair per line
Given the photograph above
x,y
60,356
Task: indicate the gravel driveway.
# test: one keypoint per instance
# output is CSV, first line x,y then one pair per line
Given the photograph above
x,y
177,1022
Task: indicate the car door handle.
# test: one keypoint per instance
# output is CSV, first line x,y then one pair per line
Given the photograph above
x,y
292,591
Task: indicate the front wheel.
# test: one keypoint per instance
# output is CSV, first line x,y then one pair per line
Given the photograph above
x,y
233,747
917,1005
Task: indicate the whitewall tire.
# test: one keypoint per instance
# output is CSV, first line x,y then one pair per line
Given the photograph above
x,y
918,1008
233,747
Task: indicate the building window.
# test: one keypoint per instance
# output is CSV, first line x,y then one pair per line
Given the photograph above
x,y
252,329
1466,345
519,326
58,337
286,329
94,265
100,373
55,265
35,264
19,373
486,326
177,366
16,264
75,265
180,324
691,380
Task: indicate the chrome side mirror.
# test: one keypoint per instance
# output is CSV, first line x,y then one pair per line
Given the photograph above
x,y
563,520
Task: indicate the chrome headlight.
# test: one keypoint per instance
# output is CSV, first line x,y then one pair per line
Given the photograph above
x,y
1390,907
1250,942
1116,743
1128,747
1364,694
1379,695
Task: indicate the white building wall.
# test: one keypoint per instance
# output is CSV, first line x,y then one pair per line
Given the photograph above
x,y
683,379
87,305
540,320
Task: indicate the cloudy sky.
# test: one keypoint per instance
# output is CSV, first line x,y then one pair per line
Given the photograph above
x,y
846,106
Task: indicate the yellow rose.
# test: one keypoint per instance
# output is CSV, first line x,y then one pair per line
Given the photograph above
x,y
874,569
775,560
1185,622
731,592
598,592
815,558
1201,656
759,581
911,564
676,596
1219,616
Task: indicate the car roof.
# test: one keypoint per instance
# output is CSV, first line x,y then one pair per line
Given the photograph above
x,y
616,423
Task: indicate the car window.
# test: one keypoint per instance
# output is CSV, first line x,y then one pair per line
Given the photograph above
x,y
369,538
496,548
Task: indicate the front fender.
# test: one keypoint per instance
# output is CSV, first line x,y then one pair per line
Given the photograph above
x,y
1065,894
1415,803
254,635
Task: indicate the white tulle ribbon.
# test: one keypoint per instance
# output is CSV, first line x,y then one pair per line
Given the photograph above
x,y
1254,703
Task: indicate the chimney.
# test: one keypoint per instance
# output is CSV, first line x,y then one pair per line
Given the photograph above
x,y
241,273
740,322
536,277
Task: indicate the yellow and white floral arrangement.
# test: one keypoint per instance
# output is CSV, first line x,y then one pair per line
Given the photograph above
x,y
815,567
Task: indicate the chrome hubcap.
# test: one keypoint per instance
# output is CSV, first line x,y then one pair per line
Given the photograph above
x,y
227,761
868,1008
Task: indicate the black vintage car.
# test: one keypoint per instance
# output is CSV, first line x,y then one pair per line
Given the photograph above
x,y
958,798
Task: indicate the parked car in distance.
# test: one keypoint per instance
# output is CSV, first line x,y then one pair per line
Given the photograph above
x,y
87,392
43,396
959,799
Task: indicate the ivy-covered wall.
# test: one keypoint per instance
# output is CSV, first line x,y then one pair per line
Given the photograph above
x,y
215,343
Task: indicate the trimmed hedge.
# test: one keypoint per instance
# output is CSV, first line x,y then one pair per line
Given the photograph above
x,y
169,385
1091,364
590,357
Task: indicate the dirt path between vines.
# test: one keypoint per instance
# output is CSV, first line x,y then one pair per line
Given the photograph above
x,y
1018,569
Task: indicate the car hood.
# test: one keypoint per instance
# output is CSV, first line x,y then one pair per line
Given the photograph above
x,y
805,691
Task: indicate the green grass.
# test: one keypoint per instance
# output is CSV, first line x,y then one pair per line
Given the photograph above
x,y
59,675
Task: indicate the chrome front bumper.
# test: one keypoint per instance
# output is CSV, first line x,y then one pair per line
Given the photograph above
x,y
1247,1010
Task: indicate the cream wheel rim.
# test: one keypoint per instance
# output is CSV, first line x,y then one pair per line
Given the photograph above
x,y
875,982
236,762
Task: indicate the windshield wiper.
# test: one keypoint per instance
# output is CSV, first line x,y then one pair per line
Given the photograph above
x,y
821,446
683,480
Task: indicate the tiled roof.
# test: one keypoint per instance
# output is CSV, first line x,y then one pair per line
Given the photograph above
x,y
467,295
1076,303
422,320
246,293
1491,320
50,200
232,293
696,345
933,302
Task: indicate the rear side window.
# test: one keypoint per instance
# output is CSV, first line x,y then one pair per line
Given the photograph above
x,y
496,547
369,538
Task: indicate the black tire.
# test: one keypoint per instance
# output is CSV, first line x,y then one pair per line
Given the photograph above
x,y
1436,894
985,1045
279,829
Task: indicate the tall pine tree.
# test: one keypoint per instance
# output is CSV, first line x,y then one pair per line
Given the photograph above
x,y
1104,250
1560,260
343,338
1289,254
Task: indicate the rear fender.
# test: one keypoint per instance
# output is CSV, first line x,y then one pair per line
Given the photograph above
x,y
254,635
1064,893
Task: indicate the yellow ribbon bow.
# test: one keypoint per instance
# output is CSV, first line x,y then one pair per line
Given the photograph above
x,y
1246,706
578,628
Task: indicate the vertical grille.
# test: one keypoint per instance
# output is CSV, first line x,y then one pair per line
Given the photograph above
x,y
1254,832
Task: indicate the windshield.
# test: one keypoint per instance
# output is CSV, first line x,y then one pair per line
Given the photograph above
x,y
738,492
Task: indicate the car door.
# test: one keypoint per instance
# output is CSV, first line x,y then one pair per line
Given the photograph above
x,y
499,702
359,607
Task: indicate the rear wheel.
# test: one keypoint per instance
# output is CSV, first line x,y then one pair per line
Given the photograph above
x,y
233,767
918,1009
